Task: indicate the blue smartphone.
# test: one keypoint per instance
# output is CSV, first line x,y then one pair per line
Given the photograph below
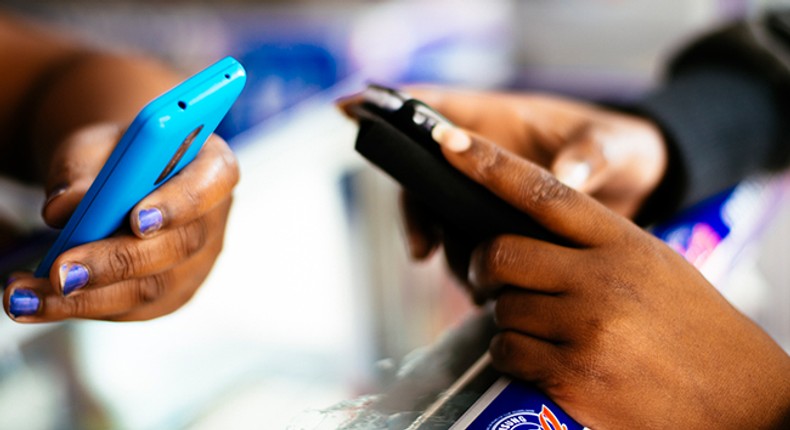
x,y
165,136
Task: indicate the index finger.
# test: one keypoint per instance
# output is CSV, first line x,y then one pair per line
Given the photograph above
x,y
529,188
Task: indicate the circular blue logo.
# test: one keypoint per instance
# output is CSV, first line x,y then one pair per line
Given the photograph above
x,y
528,420
522,420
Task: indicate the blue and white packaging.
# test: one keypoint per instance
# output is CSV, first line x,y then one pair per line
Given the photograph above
x,y
511,405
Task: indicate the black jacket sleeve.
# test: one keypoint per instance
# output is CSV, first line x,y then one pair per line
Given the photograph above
x,y
724,110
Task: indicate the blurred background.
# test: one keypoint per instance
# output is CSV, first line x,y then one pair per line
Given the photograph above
x,y
313,301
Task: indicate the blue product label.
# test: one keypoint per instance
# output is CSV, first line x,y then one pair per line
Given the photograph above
x,y
510,405
697,231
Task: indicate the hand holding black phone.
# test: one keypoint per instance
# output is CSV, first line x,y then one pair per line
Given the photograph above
x,y
395,134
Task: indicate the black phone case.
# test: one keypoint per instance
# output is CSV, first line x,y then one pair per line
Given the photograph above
x,y
412,158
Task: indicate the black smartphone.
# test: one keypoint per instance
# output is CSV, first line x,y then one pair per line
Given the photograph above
x,y
395,135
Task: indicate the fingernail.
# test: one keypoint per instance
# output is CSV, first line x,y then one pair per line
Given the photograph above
x,y
344,105
55,193
10,280
23,302
451,138
342,108
574,173
149,220
73,276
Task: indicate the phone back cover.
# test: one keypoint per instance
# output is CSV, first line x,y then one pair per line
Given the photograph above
x,y
456,199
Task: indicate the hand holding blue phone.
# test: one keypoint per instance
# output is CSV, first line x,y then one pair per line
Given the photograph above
x,y
171,178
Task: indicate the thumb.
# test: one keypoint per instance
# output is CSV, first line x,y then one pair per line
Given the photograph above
x,y
73,166
582,165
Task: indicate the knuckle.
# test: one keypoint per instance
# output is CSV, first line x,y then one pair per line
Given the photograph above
x,y
625,288
231,166
504,348
488,163
123,261
584,367
63,170
504,311
508,357
611,280
223,162
192,197
79,306
192,238
543,190
619,284
152,289
494,258
650,250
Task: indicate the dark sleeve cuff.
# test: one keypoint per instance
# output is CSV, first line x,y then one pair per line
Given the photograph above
x,y
721,124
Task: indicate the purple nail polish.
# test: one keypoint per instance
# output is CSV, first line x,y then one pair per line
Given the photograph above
x,y
23,302
73,276
149,220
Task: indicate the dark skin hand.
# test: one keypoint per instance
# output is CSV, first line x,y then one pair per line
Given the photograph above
x,y
136,275
78,104
617,158
617,328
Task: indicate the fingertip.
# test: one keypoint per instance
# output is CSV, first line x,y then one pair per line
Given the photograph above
x,y
582,165
55,192
573,172
345,105
62,202
20,302
483,284
479,299
502,349
475,281
419,228
451,138
419,247
52,212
